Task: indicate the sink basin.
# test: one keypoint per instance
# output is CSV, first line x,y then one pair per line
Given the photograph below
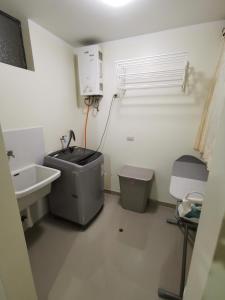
x,y
33,183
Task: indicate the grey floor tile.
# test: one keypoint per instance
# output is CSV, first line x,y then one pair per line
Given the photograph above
x,y
103,263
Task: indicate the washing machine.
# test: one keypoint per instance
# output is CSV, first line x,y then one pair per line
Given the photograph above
x,y
78,195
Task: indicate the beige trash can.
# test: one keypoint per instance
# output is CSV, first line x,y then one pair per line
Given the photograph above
x,y
135,185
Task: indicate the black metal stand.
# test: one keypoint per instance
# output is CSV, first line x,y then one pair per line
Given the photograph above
x,y
164,294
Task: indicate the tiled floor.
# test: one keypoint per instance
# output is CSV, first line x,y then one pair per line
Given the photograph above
x,y
102,263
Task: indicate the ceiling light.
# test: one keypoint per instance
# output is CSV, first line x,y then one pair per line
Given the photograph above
x,y
116,3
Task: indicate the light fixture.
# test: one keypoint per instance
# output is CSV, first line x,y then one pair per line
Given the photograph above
x,y
116,3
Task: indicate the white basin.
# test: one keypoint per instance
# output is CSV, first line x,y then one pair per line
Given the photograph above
x,y
33,183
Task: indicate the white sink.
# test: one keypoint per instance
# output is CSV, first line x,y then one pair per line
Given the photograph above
x,y
33,183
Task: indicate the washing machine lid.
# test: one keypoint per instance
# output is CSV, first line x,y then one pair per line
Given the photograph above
x,y
76,155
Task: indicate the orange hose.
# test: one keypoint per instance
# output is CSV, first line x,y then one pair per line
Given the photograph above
x,y
85,128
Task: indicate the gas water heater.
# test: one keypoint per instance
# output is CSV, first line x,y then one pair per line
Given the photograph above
x,y
90,70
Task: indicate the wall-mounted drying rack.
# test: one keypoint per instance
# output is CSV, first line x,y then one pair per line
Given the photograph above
x,y
154,72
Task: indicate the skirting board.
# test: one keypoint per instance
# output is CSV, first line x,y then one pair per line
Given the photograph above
x,y
171,205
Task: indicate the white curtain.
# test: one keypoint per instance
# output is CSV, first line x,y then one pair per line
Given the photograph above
x,y
212,111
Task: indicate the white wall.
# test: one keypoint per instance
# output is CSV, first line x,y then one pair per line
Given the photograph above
x,y
45,97
162,131
207,273
164,127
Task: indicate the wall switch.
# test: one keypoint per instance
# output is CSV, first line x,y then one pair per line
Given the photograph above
x,y
130,138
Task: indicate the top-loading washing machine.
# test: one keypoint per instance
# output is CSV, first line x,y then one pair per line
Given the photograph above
x,y
78,195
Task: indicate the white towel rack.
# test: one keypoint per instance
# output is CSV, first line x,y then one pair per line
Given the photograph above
x,y
153,72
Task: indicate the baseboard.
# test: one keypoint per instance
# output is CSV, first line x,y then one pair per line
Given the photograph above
x,y
161,203
111,192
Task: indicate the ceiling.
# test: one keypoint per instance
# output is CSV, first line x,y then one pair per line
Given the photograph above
x,y
83,21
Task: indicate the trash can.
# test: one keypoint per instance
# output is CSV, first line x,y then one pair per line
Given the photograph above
x,y
135,185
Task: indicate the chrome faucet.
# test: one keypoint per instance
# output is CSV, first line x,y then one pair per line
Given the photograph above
x,y
10,154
